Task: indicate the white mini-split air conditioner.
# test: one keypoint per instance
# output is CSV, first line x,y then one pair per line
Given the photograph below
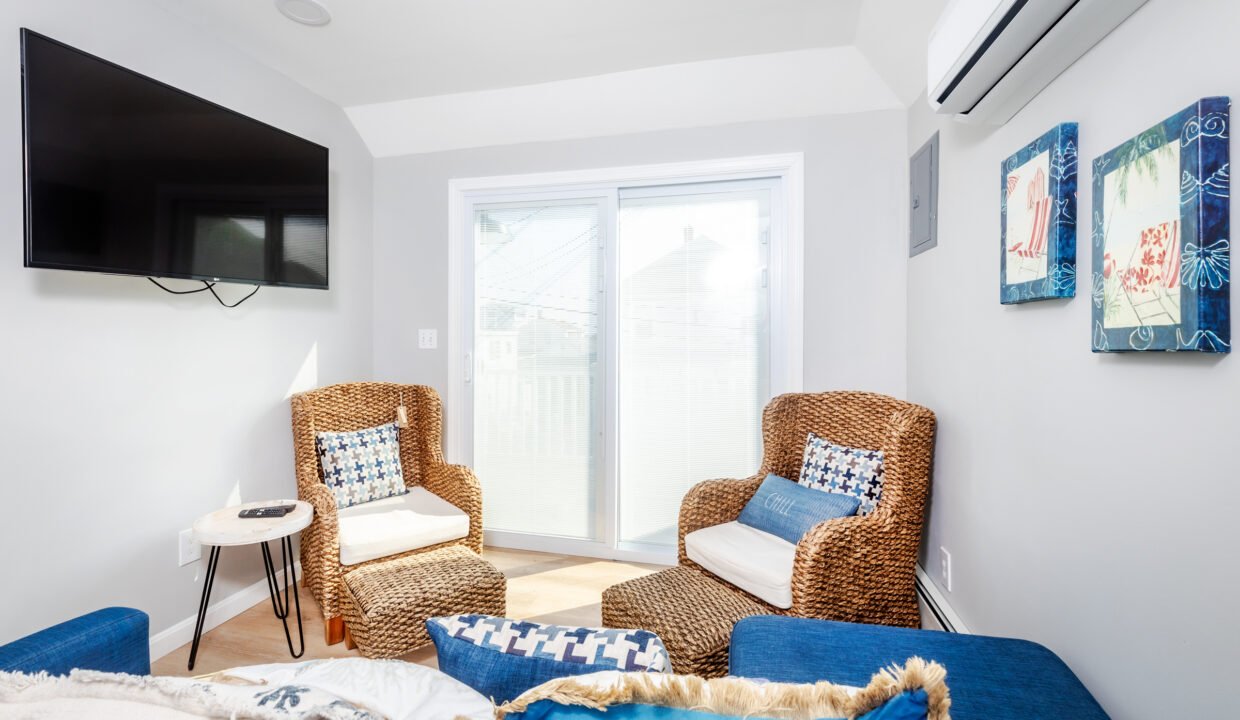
x,y
988,58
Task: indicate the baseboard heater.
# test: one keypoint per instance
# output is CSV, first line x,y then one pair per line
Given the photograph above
x,y
937,606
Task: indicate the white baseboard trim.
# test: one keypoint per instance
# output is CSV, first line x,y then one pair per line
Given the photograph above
x,y
627,552
218,613
930,595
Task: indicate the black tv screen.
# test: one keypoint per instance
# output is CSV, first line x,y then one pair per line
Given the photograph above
x,y
125,174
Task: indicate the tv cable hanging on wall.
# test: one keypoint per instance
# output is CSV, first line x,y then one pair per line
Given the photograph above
x,y
206,286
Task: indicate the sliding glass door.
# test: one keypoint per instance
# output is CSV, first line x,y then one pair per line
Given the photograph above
x,y
538,391
621,352
694,345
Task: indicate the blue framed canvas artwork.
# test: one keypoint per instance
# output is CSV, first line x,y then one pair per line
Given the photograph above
x,y
1037,259
1161,248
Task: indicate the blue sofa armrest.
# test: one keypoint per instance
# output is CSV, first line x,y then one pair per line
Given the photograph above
x,y
989,678
113,639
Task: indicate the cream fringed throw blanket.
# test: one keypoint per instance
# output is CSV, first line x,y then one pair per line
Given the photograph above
x,y
114,696
743,698
336,689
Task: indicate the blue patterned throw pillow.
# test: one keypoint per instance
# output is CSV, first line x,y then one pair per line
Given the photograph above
x,y
844,470
503,658
362,465
788,510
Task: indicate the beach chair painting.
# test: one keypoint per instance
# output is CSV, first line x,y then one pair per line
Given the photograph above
x,y
1161,248
1038,216
1029,256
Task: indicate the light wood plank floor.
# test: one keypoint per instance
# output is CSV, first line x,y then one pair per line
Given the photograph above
x,y
559,589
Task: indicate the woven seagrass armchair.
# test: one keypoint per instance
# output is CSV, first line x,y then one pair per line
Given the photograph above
x,y
353,406
855,569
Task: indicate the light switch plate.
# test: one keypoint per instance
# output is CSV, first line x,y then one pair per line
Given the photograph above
x,y
188,550
945,568
428,339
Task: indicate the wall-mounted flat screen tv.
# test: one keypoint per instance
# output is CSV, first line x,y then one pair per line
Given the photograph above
x,y
128,175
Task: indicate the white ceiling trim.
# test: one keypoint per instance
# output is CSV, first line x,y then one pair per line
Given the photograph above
x,y
800,83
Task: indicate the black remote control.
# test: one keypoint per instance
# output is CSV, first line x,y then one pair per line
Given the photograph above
x,y
267,512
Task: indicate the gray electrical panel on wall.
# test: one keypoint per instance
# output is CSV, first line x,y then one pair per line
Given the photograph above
x,y
923,197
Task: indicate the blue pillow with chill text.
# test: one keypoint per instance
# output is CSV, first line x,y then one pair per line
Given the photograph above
x,y
788,510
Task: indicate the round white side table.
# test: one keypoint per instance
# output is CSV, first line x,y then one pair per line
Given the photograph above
x,y
223,528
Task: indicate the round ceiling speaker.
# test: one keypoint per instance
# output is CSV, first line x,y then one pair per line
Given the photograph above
x,y
306,12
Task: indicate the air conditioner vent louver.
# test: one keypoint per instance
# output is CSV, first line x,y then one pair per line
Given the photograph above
x,y
987,58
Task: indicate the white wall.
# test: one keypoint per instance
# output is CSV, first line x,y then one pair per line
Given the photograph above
x,y
126,412
1089,501
854,246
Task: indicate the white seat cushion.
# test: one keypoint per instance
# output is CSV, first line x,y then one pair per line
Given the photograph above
x,y
754,561
417,519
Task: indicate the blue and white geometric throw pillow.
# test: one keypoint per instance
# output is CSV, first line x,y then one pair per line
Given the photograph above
x,y
362,465
605,649
845,470
503,658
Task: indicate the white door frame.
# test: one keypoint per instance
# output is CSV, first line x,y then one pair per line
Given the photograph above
x,y
786,298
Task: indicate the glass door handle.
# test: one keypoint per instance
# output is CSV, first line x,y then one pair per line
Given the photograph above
x,y
469,367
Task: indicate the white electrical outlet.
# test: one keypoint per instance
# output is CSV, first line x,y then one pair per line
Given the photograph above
x,y
945,568
428,339
188,549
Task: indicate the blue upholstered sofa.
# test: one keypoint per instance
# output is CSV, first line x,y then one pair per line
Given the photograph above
x,y
989,678
113,639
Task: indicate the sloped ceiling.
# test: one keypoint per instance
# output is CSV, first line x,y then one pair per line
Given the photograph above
x,y
892,34
798,83
427,75
381,50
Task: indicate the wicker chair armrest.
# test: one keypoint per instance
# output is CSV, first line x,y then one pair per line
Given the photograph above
x,y
322,499
455,483
458,485
854,569
713,502
320,542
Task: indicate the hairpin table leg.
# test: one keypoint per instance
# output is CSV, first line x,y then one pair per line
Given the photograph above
x,y
281,605
213,562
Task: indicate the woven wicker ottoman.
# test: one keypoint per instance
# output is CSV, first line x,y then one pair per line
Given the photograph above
x,y
692,613
386,605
